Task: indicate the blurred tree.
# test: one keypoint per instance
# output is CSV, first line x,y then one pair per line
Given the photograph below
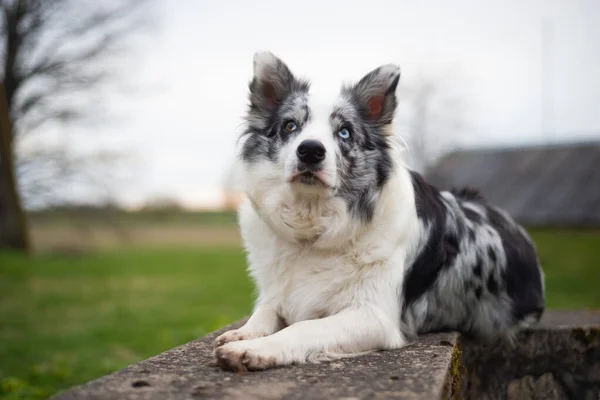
x,y
13,228
54,54
432,115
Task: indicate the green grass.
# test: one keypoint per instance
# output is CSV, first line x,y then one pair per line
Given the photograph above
x,y
571,262
64,321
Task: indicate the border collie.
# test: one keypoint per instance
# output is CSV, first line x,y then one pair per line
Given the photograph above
x,y
351,251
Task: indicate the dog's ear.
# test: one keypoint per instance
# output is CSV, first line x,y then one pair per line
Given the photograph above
x,y
376,94
272,81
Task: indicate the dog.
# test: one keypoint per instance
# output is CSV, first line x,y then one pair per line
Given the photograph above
x,y
351,251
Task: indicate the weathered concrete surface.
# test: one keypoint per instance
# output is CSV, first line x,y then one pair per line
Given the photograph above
x,y
559,359
415,372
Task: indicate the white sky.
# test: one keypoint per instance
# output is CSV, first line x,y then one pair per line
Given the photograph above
x,y
201,57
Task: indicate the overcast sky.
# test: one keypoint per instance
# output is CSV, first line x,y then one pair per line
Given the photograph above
x,y
201,58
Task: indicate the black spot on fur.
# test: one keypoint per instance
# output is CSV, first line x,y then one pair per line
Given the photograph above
x,y
468,193
451,247
492,285
384,168
478,292
491,254
523,278
422,274
427,199
478,268
472,215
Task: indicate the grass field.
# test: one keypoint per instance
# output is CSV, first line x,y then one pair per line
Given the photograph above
x,y
68,319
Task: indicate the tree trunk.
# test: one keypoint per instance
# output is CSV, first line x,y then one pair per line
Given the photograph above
x,y
12,43
13,224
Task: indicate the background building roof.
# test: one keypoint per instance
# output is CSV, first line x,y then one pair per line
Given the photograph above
x,y
544,185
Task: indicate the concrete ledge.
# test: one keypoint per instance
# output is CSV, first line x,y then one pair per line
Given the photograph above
x,y
437,366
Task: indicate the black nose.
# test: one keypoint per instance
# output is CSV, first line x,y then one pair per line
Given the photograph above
x,y
311,152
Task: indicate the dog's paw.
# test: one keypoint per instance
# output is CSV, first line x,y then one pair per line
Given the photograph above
x,y
244,356
237,335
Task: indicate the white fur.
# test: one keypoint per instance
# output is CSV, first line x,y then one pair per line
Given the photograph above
x,y
328,285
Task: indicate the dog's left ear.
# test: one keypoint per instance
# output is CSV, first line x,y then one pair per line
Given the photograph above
x,y
376,94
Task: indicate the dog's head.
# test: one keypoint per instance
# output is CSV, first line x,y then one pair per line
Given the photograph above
x,y
309,147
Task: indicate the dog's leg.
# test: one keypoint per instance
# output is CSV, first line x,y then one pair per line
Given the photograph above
x,y
351,332
263,322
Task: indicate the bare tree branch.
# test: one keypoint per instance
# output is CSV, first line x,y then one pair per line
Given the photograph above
x,y
57,58
48,45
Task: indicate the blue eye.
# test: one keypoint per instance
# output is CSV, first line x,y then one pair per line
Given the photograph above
x,y
290,126
344,133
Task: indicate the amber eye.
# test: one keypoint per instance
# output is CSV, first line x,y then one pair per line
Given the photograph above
x,y
290,126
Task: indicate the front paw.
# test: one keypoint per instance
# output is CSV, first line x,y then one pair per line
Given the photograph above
x,y
244,356
237,335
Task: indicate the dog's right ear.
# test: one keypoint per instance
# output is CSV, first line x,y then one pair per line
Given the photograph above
x,y
272,81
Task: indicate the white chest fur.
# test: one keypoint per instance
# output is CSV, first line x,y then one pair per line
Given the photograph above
x,y
304,281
